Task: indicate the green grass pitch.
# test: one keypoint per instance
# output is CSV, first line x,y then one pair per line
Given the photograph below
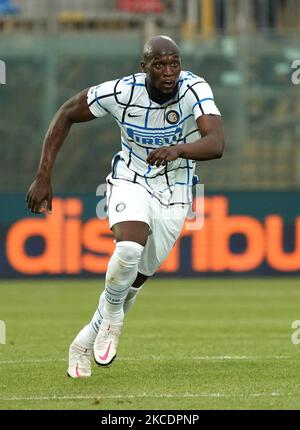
x,y
187,344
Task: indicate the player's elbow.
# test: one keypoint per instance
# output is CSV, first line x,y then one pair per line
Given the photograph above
x,y
219,148
65,113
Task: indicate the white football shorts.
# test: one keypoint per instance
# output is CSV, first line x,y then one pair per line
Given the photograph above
x,y
129,201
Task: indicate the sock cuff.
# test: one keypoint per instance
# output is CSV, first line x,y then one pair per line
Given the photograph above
x,y
132,293
130,243
135,289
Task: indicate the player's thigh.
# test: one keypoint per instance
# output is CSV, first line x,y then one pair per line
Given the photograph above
x,y
135,231
129,211
165,230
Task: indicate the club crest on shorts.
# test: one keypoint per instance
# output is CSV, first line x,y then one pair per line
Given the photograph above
x,y
120,207
172,117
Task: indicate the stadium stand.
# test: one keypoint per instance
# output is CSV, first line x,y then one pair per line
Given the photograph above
x,y
195,16
261,124
7,8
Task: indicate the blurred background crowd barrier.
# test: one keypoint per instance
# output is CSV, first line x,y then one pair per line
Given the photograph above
x,y
245,49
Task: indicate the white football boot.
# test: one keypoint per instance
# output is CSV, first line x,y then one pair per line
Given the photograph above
x,y
106,342
79,361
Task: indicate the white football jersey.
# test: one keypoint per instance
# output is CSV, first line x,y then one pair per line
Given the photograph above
x,y
146,125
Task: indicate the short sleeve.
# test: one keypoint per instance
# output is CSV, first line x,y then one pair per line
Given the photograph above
x,y
203,100
101,98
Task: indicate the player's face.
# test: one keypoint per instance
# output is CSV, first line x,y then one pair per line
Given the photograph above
x,y
163,72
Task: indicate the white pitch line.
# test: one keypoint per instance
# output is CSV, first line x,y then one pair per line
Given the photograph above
x,y
144,396
159,358
237,357
31,361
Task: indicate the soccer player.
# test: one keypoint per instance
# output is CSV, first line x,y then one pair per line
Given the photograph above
x,y
168,120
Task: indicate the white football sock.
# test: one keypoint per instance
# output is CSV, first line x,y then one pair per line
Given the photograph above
x,y
121,273
131,298
86,337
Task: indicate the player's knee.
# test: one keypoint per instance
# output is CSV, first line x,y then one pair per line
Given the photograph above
x,y
129,253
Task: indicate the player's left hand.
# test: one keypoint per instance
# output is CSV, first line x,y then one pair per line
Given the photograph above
x,y
161,156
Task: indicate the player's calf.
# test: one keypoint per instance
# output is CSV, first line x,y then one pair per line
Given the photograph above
x,y
121,273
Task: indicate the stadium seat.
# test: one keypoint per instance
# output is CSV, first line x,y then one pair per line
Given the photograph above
x,y
7,8
71,17
141,6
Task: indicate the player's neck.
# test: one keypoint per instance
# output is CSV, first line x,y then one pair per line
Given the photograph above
x,y
158,97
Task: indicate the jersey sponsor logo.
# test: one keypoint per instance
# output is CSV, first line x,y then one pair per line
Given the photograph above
x,y
145,138
172,117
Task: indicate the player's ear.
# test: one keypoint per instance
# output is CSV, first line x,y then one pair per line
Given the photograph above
x,y
143,66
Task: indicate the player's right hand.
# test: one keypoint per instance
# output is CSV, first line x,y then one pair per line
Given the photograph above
x,y
39,196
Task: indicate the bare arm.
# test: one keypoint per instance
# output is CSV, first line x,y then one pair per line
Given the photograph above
x,y
72,111
211,144
209,147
